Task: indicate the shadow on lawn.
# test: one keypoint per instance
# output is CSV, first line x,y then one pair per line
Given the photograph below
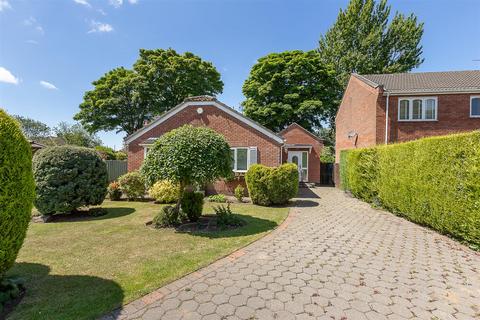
x,y
63,296
84,215
253,225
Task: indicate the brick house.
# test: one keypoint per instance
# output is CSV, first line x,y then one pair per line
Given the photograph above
x,y
250,142
388,108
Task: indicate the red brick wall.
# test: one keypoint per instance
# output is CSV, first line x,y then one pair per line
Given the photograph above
x,y
295,134
237,133
453,116
358,113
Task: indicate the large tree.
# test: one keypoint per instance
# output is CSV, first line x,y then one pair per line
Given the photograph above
x,y
123,100
33,129
287,87
363,41
75,134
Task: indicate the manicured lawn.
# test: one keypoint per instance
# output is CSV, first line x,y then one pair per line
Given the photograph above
x,y
83,269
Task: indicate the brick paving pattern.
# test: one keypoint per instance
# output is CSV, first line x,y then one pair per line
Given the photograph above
x,y
334,258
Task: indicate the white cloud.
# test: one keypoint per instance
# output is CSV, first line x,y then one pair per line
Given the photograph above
x,y
48,85
103,13
32,22
7,77
116,3
133,1
99,27
31,42
83,3
4,5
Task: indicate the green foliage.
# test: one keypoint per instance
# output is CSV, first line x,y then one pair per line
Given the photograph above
x,y
267,185
67,178
192,205
124,99
10,289
165,191
361,173
220,198
120,155
16,190
114,191
432,181
343,170
328,155
168,217
75,134
287,87
132,185
362,40
239,193
188,155
33,129
106,153
226,218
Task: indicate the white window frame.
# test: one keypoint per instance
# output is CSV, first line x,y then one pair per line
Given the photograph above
x,y
410,108
471,107
235,158
145,151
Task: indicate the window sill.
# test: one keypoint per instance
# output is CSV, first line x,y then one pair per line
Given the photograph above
x,y
475,116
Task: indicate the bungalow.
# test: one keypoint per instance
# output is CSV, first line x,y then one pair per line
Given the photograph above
x,y
250,142
388,108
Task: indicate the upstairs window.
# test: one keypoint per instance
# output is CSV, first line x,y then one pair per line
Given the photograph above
x,y
475,107
417,109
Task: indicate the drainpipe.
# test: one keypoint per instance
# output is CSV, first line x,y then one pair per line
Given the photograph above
x,y
386,118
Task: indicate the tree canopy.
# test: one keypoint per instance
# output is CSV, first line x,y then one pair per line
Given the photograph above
x,y
363,41
75,134
124,99
287,87
188,155
33,129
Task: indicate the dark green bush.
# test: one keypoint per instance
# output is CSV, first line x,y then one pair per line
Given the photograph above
x,y
192,205
226,218
67,178
16,190
433,181
168,217
132,185
267,185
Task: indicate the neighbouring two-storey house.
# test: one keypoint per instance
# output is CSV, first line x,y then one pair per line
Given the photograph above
x,y
250,142
388,108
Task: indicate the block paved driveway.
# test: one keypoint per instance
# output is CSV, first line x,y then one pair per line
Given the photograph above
x,y
333,258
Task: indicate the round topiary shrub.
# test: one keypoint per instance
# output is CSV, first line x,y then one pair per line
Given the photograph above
x,y
192,205
132,185
16,190
68,178
165,191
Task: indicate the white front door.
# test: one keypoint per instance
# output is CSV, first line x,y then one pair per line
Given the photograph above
x,y
300,158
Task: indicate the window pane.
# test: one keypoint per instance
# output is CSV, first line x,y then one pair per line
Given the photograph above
x,y
242,159
430,109
232,154
404,109
304,175
476,107
417,109
304,159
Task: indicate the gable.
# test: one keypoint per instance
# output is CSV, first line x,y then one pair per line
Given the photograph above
x,y
192,108
295,133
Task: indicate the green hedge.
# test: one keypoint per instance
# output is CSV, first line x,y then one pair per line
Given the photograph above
x,y
433,181
16,191
267,185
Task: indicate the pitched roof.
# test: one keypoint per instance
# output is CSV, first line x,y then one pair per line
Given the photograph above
x,y
203,100
425,82
296,125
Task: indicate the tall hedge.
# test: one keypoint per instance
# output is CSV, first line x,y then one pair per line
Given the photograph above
x,y
268,185
433,181
67,178
16,190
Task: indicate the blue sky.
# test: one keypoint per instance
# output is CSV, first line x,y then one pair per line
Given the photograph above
x,y
51,50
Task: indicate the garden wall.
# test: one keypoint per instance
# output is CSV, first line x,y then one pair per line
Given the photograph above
x,y
433,181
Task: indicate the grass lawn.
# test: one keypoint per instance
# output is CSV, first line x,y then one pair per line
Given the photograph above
x,y
83,269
